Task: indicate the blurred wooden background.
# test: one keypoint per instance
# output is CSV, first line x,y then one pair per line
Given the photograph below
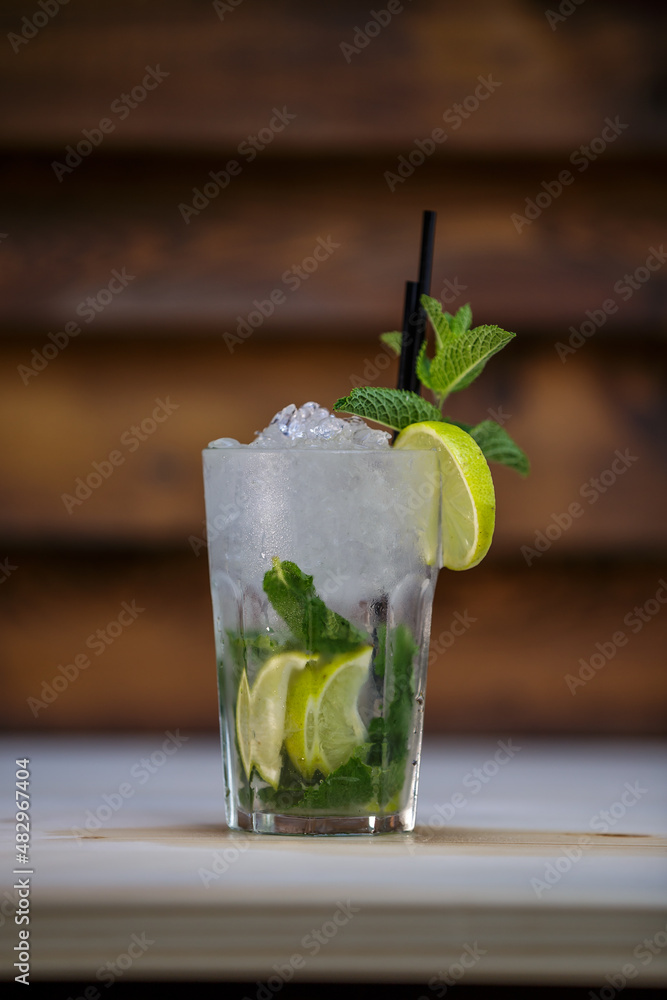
x,y
218,73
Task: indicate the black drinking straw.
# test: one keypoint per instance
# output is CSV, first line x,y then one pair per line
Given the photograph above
x,y
414,317
409,312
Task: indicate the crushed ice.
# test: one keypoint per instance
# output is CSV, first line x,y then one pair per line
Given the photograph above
x,y
312,426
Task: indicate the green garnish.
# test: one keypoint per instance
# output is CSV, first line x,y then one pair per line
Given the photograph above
x,y
498,446
460,353
389,736
348,786
312,623
460,356
395,408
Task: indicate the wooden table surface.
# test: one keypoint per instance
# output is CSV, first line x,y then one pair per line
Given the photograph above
x,y
544,864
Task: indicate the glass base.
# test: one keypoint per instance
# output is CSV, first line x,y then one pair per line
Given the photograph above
x,y
321,826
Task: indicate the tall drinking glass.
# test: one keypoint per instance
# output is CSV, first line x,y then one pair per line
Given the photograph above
x,y
323,566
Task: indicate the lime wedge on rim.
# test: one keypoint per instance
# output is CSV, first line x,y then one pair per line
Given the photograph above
x,y
468,497
323,725
260,714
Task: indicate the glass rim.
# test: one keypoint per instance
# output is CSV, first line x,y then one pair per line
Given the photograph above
x,y
319,451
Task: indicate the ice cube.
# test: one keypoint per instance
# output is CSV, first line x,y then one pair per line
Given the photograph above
x,y
365,437
327,428
225,443
312,426
283,419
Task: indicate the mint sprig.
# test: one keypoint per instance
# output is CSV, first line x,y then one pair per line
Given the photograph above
x,y
315,626
461,352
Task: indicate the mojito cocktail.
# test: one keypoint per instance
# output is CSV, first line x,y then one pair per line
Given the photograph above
x,y
323,548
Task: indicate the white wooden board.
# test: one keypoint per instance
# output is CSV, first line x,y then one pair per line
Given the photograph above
x,y
551,868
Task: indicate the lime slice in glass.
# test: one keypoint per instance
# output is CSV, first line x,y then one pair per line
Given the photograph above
x,y
243,731
323,724
260,714
468,498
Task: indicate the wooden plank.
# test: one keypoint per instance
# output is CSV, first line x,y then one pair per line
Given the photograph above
x,y
555,84
505,639
260,235
571,418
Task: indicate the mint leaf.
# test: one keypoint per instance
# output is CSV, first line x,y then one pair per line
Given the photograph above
x,y
289,793
400,650
473,350
423,367
393,340
439,321
395,408
461,353
498,446
389,736
348,786
461,321
252,647
312,623
379,662
399,717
